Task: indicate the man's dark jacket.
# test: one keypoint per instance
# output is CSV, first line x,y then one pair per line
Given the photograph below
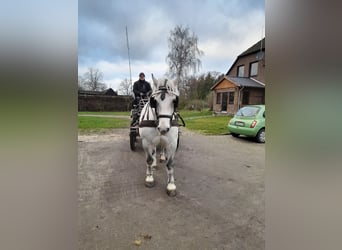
x,y
141,86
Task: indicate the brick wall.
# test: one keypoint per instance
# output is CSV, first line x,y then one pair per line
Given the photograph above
x,y
104,103
256,96
246,60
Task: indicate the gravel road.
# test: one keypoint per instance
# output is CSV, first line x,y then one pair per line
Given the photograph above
x,y
219,204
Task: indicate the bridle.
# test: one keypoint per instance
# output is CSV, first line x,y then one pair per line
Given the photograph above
x,y
173,117
162,90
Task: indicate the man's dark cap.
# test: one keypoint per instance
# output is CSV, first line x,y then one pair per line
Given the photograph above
x,y
141,74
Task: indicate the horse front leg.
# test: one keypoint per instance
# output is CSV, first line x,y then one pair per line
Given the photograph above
x,y
151,163
171,186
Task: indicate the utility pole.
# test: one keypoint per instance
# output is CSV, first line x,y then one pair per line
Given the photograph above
x,y
129,62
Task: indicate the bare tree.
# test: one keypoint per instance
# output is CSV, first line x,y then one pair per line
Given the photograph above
x,y
183,57
80,83
125,87
93,80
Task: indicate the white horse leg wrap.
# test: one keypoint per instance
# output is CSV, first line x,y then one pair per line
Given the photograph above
x,y
171,187
149,178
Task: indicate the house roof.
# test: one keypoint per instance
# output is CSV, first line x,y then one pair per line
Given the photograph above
x,y
246,82
109,91
89,92
241,82
253,49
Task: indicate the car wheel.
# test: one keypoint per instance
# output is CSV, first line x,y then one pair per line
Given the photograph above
x,y
260,137
235,135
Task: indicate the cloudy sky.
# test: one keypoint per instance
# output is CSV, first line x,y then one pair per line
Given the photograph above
x,y
224,28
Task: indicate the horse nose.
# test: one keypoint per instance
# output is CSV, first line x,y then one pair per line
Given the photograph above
x,y
163,131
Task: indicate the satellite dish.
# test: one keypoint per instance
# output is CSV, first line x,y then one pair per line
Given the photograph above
x,y
260,55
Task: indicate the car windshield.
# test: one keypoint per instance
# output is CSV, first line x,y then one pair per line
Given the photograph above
x,y
248,111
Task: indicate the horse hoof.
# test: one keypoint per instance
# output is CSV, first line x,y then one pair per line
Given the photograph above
x,y
149,181
171,193
149,184
171,189
162,159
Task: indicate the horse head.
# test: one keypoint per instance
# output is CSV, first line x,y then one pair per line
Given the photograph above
x,y
165,100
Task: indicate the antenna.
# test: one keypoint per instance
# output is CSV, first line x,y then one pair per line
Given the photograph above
x,y
260,54
262,30
129,62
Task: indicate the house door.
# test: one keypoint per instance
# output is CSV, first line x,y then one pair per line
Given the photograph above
x,y
224,101
231,102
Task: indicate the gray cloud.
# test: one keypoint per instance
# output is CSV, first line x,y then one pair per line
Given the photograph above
x,y
228,26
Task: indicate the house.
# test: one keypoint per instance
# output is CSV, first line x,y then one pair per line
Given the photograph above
x,y
244,83
107,92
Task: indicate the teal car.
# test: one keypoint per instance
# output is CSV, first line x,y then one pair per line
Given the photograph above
x,y
249,121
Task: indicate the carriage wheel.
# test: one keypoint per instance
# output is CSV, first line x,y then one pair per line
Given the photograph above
x,y
132,140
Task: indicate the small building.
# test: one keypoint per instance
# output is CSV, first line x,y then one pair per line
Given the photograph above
x,y
244,83
107,92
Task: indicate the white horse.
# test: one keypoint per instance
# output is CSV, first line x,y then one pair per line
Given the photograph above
x,y
158,126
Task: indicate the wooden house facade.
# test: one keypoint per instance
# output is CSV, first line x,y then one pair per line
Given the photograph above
x,y
244,83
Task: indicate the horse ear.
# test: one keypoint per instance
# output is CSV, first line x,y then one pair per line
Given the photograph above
x,y
175,87
155,82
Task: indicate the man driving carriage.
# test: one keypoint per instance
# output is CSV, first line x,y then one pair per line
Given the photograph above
x,y
141,89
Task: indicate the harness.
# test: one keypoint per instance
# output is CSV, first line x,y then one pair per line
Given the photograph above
x,y
154,123
153,104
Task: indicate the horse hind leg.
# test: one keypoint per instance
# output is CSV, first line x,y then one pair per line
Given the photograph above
x,y
162,155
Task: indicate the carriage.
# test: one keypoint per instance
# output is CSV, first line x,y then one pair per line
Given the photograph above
x,y
135,115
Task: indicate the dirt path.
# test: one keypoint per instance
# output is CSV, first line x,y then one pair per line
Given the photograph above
x,y
219,205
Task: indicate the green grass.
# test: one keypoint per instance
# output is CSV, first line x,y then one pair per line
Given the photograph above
x,y
96,124
200,121
205,123
103,113
192,113
215,125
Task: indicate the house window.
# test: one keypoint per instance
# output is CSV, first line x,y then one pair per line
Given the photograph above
x,y
241,71
245,97
231,98
254,69
218,98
